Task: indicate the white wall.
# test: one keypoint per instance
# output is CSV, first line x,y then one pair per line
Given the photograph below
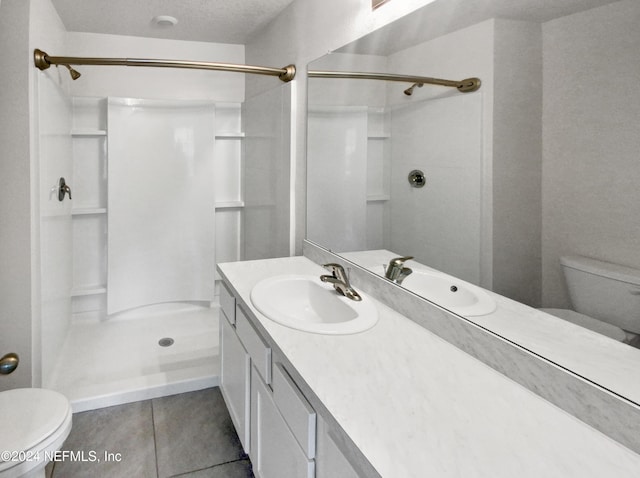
x,y
591,169
55,160
265,174
226,89
15,199
516,168
347,92
305,31
23,24
506,56
32,328
469,245
51,159
154,83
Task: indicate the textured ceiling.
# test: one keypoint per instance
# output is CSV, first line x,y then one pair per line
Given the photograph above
x,y
219,21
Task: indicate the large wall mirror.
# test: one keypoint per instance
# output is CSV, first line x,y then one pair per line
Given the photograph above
x,y
537,167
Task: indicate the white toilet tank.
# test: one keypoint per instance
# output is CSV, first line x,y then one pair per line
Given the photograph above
x,y
603,290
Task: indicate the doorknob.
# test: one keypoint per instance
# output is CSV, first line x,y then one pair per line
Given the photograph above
x,y
8,363
63,188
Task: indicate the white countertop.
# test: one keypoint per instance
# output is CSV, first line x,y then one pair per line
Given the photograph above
x,y
604,361
417,406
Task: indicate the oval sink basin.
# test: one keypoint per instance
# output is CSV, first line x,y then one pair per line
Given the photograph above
x,y
455,295
304,302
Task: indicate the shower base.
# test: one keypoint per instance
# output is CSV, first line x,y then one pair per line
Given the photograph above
x,y
120,360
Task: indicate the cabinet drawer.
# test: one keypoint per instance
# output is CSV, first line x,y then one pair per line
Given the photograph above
x,y
260,353
275,452
295,410
228,304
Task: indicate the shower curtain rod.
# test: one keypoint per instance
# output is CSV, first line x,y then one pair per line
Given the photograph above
x,y
464,86
43,61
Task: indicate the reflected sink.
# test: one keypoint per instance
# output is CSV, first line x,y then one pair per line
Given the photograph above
x,y
455,295
304,302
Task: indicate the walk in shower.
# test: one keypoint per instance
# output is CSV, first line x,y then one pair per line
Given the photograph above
x,y
157,191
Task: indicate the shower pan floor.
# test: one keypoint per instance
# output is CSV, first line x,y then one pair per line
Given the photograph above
x,y
119,360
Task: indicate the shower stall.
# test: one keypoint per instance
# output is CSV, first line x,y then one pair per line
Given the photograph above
x,y
155,193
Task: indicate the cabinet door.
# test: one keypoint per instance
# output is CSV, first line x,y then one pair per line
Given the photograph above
x,y
330,461
234,380
275,453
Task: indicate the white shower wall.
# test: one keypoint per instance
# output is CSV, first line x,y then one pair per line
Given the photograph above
x,y
191,363
55,161
90,228
160,241
90,93
266,174
440,223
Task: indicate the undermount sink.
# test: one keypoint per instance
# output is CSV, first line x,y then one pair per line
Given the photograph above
x,y
304,302
455,295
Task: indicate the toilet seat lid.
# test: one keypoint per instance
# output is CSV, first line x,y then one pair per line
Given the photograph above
x,y
30,416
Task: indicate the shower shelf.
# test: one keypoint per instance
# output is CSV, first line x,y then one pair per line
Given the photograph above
x,y
379,136
378,197
88,290
229,204
88,210
88,132
229,135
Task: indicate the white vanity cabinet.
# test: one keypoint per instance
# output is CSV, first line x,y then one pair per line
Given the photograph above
x,y
275,452
235,368
330,461
275,423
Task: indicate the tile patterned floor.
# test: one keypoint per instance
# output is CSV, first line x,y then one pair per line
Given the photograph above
x,y
188,435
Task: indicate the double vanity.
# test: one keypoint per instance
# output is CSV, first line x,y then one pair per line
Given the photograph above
x,y
368,392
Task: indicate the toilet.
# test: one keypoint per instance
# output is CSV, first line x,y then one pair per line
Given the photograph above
x,y
605,296
34,423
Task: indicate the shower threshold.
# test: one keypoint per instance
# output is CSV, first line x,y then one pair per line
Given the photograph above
x,y
116,361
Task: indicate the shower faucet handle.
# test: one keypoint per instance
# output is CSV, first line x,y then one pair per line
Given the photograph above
x,y
63,188
8,363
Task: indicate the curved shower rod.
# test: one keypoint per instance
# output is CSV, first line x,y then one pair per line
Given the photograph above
x,y
464,86
43,61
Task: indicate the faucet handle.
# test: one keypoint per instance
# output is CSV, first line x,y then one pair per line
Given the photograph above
x,y
396,271
333,267
398,261
337,270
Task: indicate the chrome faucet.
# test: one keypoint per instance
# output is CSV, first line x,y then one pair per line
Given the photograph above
x,y
396,271
340,281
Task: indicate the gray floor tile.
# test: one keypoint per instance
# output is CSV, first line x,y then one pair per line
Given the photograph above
x,y
236,469
125,429
193,432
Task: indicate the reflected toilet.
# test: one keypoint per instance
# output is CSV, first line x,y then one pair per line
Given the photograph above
x,y
605,296
34,424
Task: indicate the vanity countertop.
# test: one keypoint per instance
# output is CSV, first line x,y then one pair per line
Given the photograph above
x,y
610,363
417,406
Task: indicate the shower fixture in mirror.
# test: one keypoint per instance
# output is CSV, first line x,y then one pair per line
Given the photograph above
x,y
530,182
